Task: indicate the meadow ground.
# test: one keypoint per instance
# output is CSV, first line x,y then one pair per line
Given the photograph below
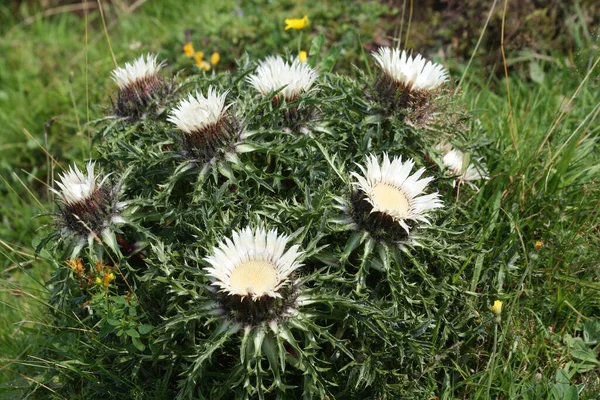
x,y
540,118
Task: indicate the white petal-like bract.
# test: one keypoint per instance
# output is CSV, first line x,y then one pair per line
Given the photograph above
x,y
392,190
75,186
198,112
139,69
252,263
415,73
455,160
275,73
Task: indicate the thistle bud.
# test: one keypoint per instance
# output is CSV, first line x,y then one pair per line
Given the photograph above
x,y
209,130
405,80
139,86
86,206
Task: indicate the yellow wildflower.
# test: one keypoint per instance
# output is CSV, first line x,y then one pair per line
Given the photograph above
x,y
297,23
497,308
302,56
215,58
199,58
204,65
108,278
539,244
188,49
98,281
76,265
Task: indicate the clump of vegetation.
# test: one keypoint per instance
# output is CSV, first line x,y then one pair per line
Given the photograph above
x,y
278,231
299,226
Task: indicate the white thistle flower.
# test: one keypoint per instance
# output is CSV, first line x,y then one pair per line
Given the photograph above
x,y
75,185
253,263
198,112
209,130
391,190
455,161
274,73
413,73
89,207
139,70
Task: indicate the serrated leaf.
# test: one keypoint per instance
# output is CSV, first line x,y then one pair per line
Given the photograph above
x,y
351,244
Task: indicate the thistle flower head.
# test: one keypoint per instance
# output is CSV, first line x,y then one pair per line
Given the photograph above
x,y
139,85
413,73
88,205
392,194
253,264
198,112
207,126
274,73
136,72
454,159
75,185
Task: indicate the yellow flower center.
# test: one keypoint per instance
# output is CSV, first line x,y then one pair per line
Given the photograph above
x,y
254,277
389,197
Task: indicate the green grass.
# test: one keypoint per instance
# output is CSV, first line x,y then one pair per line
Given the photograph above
x,y
547,180
542,151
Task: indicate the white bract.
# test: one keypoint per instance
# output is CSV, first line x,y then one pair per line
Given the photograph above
x,y
274,73
414,73
391,190
75,186
455,161
198,112
252,263
141,68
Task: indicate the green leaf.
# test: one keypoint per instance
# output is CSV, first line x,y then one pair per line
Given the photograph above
x,y
109,238
330,59
144,329
119,299
113,322
132,333
587,355
315,49
351,244
269,348
138,344
571,394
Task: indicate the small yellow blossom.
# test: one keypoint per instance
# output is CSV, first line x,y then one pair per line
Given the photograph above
x,y
188,49
215,58
76,265
98,281
108,278
497,308
204,65
302,56
539,244
297,23
199,58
